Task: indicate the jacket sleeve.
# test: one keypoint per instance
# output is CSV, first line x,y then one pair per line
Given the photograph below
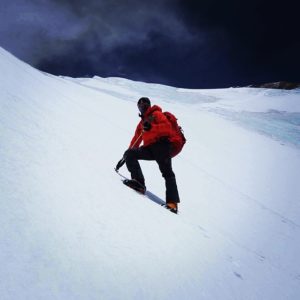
x,y
137,138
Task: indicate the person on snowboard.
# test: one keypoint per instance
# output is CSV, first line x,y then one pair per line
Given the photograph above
x,y
155,131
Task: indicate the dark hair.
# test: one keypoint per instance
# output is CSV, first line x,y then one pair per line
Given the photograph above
x,y
144,100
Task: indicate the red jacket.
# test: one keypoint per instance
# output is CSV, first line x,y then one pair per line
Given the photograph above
x,y
160,127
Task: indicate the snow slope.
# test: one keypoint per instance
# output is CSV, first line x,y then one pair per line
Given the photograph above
x,y
70,230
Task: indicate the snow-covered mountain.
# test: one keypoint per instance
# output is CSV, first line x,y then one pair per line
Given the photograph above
x,y
70,230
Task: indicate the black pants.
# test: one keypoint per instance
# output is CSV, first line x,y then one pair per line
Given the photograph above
x,y
160,152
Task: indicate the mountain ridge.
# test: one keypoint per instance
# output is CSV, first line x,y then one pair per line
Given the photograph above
x,y
71,230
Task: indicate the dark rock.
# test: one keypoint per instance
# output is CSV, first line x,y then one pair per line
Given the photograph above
x,y
278,85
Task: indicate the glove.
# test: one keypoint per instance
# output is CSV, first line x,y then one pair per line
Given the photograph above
x,y
147,126
120,164
121,161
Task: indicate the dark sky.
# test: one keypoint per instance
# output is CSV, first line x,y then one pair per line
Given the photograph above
x,y
183,43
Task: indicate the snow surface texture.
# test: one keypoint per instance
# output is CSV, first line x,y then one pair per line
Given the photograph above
x,y
70,230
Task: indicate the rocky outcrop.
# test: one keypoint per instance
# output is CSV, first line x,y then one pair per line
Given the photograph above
x,y
278,85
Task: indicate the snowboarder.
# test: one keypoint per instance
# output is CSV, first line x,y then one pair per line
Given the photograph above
x,y
155,131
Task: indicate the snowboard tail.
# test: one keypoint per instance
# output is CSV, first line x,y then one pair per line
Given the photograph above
x,y
135,185
139,188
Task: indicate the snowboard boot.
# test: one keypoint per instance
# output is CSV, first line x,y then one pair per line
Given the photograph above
x,y
172,206
135,185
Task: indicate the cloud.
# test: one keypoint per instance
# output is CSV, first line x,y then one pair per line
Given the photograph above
x,y
179,42
50,28
98,37
32,31
115,23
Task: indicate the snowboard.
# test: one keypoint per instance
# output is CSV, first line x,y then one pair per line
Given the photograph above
x,y
149,195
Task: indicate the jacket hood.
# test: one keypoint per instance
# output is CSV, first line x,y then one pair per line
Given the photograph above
x,y
150,110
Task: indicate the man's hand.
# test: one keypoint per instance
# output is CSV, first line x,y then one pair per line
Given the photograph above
x,y
147,126
121,161
120,164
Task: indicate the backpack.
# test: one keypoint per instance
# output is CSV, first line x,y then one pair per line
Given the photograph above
x,y
178,139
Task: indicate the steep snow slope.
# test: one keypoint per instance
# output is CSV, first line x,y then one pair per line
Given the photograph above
x,y
70,230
